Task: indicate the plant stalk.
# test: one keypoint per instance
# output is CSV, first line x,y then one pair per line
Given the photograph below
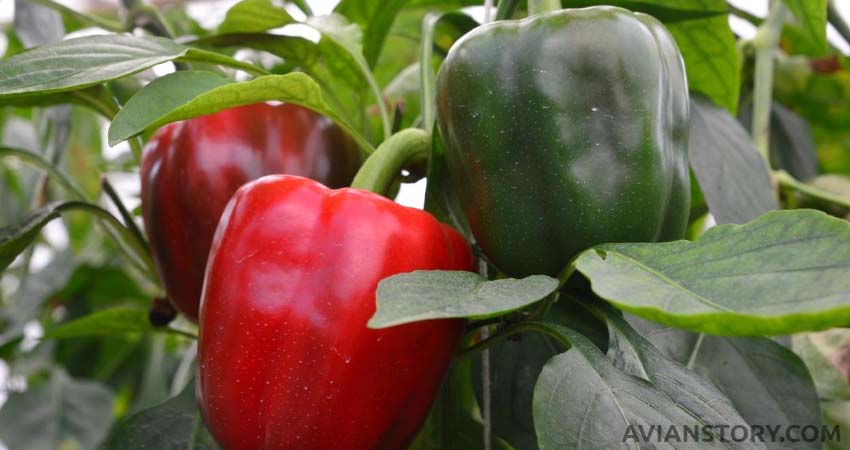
x,y
383,166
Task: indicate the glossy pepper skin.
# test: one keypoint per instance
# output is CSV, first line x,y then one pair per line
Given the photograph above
x,y
563,131
285,359
190,170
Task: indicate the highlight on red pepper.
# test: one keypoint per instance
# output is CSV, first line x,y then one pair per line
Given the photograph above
x,y
190,170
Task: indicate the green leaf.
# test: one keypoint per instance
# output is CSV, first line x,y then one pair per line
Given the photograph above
x,y
375,17
746,370
62,413
295,87
782,273
711,58
107,322
515,365
635,355
16,238
731,173
444,294
250,16
583,402
36,24
792,147
160,97
808,25
333,67
173,425
82,62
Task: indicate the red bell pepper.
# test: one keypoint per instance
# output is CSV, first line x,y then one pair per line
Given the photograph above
x,y
190,170
285,359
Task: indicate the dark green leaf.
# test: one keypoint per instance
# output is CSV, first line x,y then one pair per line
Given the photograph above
x,y
250,16
62,413
516,364
443,294
732,175
635,355
748,371
782,273
792,147
173,425
582,401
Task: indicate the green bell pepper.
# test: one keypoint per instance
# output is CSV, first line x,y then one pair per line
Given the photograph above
x,y
563,131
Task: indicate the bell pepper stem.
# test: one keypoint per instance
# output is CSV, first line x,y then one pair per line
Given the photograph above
x,y
543,6
765,43
397,152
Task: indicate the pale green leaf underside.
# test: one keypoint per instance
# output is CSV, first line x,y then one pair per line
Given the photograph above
x,y
425,295
785,272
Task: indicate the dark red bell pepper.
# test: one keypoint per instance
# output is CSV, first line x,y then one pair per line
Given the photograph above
x,y
285,359
190,170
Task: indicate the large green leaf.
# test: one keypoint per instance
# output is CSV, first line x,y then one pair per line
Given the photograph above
x,y
733,177
82,62
664,10
183,101
173,425
61,413
635,355
711,58
782,273
767,383
443,294
583,402
250,16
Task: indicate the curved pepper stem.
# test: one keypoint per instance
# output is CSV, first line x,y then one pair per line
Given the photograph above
x,y
397,152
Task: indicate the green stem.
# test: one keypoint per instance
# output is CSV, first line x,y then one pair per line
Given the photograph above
x,y
787,181
206,56
765,43
746,15
129,221
426,73
139,248
34,159
543,6
521,327
506,9
382,167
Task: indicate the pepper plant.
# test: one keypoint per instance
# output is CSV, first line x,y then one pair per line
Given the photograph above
x,y
634,234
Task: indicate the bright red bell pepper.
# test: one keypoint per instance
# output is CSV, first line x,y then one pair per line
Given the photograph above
x,y
190,170
285,359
